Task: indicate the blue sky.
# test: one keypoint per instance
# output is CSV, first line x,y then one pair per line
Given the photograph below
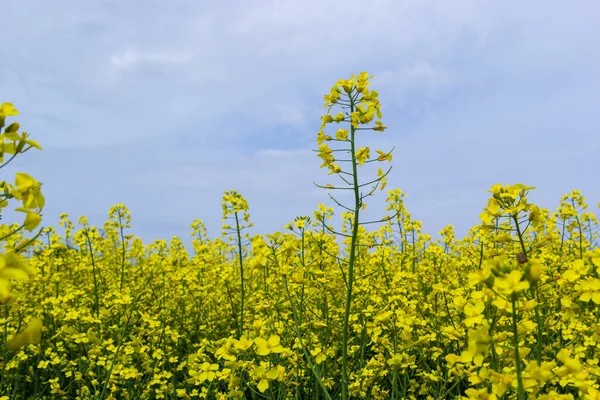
x,y
165,105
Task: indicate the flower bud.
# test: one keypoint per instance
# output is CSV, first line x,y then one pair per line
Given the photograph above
x,y
20,146
534,272
14,127
489,282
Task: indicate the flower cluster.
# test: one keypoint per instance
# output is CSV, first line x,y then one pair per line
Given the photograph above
x,y
512,310
27,190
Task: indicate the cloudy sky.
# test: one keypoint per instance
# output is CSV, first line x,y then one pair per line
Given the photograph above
x,y
163,105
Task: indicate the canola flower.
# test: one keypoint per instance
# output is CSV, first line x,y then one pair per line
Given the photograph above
x,y
27,190
509,311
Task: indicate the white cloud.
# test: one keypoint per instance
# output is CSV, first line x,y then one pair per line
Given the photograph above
x,y
132,58
276,153
291,114
124,60
227,95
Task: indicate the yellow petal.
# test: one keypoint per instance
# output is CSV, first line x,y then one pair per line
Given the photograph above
x,y
8,110
8,148
263,385
14,273
34,144
32,221
17,341
31,334
272,374
34,329
259,371
261,347
11,260
12,135
4,291
24,180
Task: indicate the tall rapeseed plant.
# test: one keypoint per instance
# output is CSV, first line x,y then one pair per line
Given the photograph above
x,y
236,208
359,107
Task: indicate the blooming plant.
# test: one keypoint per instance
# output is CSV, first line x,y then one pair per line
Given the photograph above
x,y
510,311
13,267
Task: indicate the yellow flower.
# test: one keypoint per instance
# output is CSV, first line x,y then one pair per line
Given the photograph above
x,y
333,97
207,372
6,148
341,134
32,218
484,275
590,290
346,84
317,352
362,155
382,177
31,334
326,154
354,118
541,374
493,207
379,126
183,393
486,217
22,140
327,119
592,393
570,365
8,110
474,313
334,169
383,156
265,347
575,270
511,283
226,351
395,361
11,267
339,117
479,343
244,343
264,376
27,189
480,394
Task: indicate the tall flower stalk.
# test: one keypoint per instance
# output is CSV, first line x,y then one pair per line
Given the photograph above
x,y
359,107
236,208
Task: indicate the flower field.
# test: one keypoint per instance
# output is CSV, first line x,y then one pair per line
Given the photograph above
x,y
374,310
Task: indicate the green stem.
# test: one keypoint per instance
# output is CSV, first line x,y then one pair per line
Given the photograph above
x,y
350,280
123,251
242,286
521,390
96,298
309,360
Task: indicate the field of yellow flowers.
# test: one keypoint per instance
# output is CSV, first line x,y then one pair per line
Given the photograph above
x,y
376,310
